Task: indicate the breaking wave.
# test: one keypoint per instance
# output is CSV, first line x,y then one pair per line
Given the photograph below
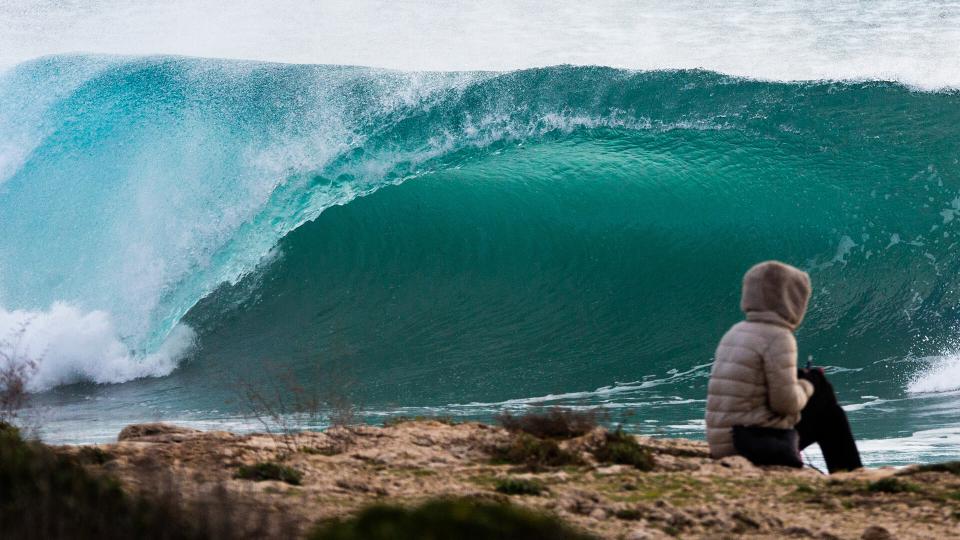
x,y
459,224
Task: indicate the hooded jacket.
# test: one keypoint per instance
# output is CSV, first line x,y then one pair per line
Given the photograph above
x,y
753,381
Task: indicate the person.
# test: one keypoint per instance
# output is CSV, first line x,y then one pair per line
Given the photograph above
x,y
756,396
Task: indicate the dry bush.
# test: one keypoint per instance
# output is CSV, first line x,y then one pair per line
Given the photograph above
x,y
622,448
532,453
286,408
553,423
216,513
47,495
16,370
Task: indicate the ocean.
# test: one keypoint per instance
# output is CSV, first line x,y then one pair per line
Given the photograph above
x,y
459,209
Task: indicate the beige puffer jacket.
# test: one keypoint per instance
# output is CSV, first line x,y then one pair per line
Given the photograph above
x,y
754,377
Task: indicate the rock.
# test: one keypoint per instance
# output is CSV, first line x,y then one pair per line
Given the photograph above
x,y
360,486
827,535
737,463
580,502
155,432
639,534
876,532
801,532
831,504
598,514
668,462
745,521
681,520
560,476
611,470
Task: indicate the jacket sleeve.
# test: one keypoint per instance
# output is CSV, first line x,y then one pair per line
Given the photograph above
x,y
786,394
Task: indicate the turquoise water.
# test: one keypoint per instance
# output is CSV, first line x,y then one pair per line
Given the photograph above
x,y
460,242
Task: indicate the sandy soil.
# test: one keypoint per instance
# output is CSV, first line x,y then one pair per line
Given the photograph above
x,y
687,495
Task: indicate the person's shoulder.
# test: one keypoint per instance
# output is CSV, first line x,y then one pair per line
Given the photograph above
x,y
766,329
770,334
758,335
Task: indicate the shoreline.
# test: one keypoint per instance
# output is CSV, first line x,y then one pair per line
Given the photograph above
x,y
685,494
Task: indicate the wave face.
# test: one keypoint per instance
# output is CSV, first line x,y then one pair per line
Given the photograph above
x,y
467,237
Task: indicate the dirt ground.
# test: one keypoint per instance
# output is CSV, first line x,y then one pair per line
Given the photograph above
x,y
686,495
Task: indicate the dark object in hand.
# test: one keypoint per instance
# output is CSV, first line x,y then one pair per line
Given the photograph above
x,y
823,421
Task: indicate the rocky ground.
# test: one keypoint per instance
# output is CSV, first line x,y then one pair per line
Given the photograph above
x,y
686,495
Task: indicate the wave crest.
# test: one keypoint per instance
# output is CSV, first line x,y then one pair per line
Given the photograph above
x,y
68,345
941,375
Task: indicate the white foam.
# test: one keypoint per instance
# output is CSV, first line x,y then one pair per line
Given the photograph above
x,y
69,345
604,392
874,401
910,41
927,446
942,374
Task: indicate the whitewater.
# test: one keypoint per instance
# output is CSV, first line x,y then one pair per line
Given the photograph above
x,y
475,206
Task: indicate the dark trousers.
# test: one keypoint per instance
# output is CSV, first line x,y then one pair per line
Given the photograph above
x,y
824,422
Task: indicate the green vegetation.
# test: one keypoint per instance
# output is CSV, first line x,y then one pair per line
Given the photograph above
x,y
554,423
519,486
45,495
270,470
629,514
621,448
94,455
952,467
533,453
891,485
443,519
329,450
657,486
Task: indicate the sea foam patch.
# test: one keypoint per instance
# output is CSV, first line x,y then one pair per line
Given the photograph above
x,y
941,375
67,345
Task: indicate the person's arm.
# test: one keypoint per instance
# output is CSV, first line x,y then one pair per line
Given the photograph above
x,y
786,394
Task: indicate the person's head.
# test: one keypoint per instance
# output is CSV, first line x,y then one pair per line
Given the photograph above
x,y
776,292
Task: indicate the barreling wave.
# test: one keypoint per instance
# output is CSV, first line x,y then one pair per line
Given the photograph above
x,y
560,227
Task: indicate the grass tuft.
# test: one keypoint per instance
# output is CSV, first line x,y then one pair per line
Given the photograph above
x,y
519,486
329,450
952,467
554,423
533,453
629,514
891,485
621,448
270,470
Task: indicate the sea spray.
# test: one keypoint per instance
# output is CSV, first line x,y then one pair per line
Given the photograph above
x,y
65,345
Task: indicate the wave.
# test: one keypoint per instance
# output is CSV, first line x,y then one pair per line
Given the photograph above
x,y
466,222
911,42
66,345
942,374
